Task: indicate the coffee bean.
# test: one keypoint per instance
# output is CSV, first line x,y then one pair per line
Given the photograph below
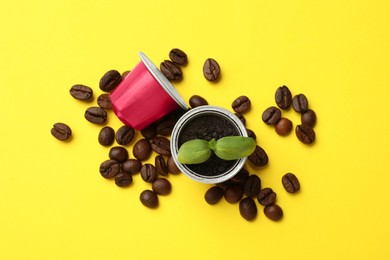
x,y
109,168
171,70
283,127
148,172
104,101
309,118
96,115
118,153
283,97
178,56
110,80
149,132
142,149
161,166
248,209
251,134
252,186
291,183
124,135
300,103
165,127
106,136
266,197
81,92
149,199
61,131
241,117
172,167
273,212
161,145
211,70
213,195
197,101
305,134
233,193
240,177
271,115
125,73
259,157
123,179
131,166
241,104
161,186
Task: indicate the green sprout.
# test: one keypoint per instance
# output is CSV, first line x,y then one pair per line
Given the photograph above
x,y
227,148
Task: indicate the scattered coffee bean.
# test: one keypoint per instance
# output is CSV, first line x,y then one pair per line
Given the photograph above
x,y
241,117
162,186
165,127
248,209
81,92
309,118
96,115
131,166
142,149
283,97
252,186
241,104
161,145
149,132
305,134
172,167
148,172
251,134
291,183
125,73
273,212
233,193
123,179
61,131
300,103
259,157
118,153
241,177
213,195
197,101
124,135
110,80
266,197
178,56
283,127
171,70
106,136
211,70
271,115
104,101
149,199
109,168
161,166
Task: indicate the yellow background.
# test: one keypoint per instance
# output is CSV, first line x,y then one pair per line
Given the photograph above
x,y
55,205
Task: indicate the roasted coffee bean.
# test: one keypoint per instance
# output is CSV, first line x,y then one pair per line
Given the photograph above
x,y
291,183
172,167
104,101
118,153
131,166
161,145
213,195
161,166
251,134
81,92
241,104
148,172
309,118
106,136
271,115
109,168
241,117
240,177
283,127
171,70
61,131
273,212
266,197
283,97
110,80
259,157
248,209
142,149
252,186
300,103
233,193
305,134
123,179
178,56
125,73
211,70
149,199
165,127
149,132
124,135
197,101
96,115
161,186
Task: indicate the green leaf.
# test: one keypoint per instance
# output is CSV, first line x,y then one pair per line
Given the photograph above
x,y
234,147
194,151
